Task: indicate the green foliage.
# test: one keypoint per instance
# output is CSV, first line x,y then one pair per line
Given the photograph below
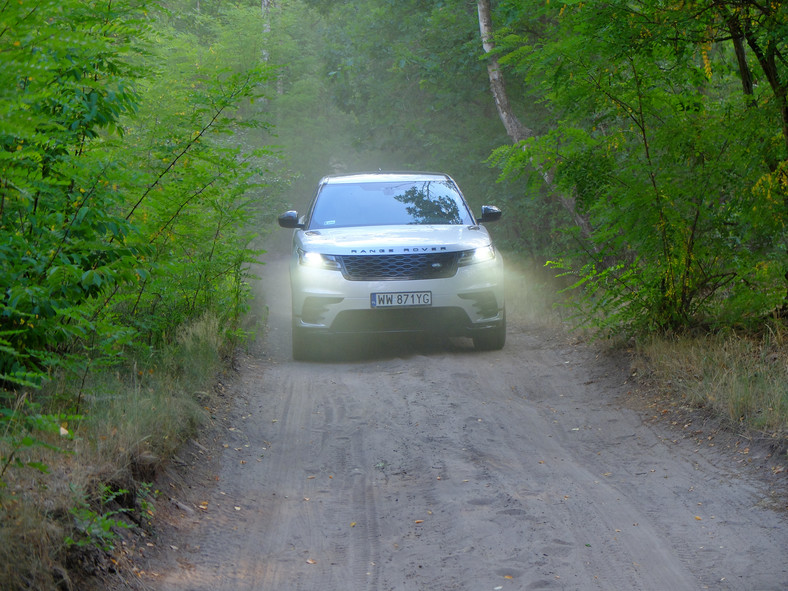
x,y
124,195
131,167
22,429
671,165
192,184
146,495
96,528
64,86
130,172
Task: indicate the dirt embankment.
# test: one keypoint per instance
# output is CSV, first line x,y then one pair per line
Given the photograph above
x,y
409,466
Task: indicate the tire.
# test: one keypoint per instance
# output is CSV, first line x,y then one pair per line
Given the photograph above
x,y
303,347
491,340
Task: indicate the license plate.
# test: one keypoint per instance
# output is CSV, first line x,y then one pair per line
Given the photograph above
x,y
401,299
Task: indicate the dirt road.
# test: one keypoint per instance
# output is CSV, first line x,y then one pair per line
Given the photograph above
x,y
411,466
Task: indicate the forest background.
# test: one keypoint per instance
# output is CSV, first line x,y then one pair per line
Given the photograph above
x,y
639,150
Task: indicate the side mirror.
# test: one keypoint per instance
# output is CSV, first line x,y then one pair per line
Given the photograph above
x,y
490,213
289,219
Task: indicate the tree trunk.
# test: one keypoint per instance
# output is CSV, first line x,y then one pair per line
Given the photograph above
x,y
767,58
737,36
514,127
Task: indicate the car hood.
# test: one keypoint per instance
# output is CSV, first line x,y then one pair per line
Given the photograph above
x,y
393,239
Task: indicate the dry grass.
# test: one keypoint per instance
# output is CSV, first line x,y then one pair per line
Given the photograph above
x,y
28,548
133,419
742,378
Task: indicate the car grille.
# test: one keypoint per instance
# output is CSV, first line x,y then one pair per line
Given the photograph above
x,y
433,265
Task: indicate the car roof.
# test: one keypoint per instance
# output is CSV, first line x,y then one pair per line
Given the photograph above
x,y
380,176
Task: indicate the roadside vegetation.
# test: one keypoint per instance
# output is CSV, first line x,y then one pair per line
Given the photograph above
x,y
127,210
740,379
640,157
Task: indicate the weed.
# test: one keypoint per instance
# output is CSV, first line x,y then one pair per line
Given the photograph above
x,y
21,424
96,528
146,495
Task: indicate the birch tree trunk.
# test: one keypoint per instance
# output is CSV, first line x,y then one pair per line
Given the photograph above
x,y
265,9
514,127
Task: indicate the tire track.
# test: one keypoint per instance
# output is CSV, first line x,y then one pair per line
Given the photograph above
x,y
440,468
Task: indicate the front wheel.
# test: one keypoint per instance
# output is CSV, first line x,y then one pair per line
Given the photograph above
x,y
493,339
303,346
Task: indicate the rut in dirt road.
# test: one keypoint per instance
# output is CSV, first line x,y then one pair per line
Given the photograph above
x,y
420,467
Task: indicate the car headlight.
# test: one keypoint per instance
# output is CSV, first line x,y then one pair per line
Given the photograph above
x,y
478,255
317,260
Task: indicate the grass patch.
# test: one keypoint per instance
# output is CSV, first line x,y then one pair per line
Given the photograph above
x,y
68,492
740,377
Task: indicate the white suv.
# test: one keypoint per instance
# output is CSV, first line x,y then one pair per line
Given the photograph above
x,y
391,253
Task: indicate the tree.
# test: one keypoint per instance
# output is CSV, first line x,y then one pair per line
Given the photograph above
x,y
516,130
115,196
683,212
514,127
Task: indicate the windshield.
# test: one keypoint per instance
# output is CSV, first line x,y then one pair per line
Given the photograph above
x,y
389,203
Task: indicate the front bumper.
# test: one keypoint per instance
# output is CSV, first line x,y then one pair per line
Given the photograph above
x,y
470,301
